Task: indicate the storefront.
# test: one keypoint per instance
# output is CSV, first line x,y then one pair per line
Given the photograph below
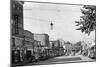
x,y
17,51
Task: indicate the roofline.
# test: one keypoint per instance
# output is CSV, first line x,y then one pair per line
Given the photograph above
x,y
21,2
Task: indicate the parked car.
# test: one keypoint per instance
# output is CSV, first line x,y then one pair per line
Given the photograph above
x,y
92,54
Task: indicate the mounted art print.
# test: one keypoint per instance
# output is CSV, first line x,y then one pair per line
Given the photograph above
x,y
45,33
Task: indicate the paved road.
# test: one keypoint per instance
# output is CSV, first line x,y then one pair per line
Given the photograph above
x,y
61,59
64,59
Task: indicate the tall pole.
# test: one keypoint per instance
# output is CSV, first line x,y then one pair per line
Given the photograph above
x,y
51,30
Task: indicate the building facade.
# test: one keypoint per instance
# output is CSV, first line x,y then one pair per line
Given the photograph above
x,y
28,44
57,47
16,17
17,31
43,38
55,43
68,48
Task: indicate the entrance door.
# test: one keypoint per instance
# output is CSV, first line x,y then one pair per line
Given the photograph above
x,y
15,56
28,55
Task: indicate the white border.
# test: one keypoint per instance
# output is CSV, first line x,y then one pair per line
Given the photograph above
x,y
5,33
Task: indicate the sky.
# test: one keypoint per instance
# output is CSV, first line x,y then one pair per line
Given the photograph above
x,y
38,16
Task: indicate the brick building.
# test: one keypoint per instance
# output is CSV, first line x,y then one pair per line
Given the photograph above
x,y
17,30
28,44
43,38
17,17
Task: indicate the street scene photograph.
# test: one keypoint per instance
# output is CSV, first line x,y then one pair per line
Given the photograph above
x,y
44,33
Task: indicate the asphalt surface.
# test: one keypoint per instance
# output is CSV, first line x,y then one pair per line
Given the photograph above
x,y
58,60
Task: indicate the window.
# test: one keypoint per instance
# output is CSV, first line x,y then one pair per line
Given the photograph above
x,y
13,5
13,41
16,24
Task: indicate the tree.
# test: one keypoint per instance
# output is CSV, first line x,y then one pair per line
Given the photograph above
x,y
87,22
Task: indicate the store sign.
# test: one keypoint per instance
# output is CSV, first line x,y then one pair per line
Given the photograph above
x,y
18,41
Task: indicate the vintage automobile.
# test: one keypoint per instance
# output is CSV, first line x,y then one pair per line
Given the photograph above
x,y
92,51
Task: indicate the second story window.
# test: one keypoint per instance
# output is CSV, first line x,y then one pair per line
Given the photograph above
x,y
16,24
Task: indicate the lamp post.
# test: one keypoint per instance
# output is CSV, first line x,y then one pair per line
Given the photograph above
x,y
51,24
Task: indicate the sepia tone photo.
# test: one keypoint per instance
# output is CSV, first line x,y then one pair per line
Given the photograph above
x,y
44,33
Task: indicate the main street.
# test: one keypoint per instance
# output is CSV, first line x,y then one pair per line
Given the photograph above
x,y
65,59
62,59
